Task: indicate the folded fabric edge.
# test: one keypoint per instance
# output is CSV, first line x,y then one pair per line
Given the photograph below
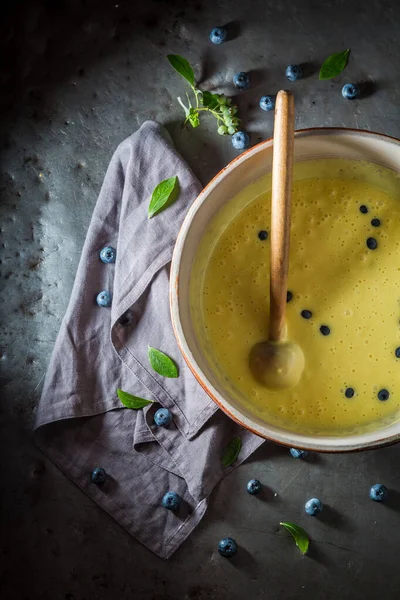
x,y
140,286
104,407
163,550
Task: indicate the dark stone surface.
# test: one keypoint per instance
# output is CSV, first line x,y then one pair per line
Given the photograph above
x,y
76,78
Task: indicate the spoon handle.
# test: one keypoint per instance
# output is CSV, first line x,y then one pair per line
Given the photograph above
x,y
282,175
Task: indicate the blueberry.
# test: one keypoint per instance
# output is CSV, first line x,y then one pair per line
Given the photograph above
x,y
107,254
267,102
240,140
363,209
372,244
383,395
126,318
298,453
350,91
375,222
324,329
227,547
313,507
162,417
104,299
98,476
218,35
349,393
241,80
306,314
254,487
263,235
397,352
378,492
289,296
171,500
293,72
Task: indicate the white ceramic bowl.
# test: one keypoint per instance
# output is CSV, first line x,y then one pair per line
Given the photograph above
x,y
309,144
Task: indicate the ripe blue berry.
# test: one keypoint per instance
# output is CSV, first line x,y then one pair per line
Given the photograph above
x,y
289,296
267,103
218,35
325,330
378,492
375,222
349,393
98,476
383,395
241,80
372,244
227,547
240,140
397,352
263,235
350,91
107,254
306,314
126,318
254,487
104,299
313,507
298,453
363,209
293,72
162,417
171,500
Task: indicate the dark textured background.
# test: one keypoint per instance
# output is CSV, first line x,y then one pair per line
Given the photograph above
x,y
76,78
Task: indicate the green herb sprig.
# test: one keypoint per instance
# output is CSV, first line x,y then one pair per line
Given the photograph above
x,y
130,401
219,105
231,452
164,194
334,64
299,535
162,364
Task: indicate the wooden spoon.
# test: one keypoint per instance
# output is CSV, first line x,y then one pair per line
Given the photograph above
x,y
278,362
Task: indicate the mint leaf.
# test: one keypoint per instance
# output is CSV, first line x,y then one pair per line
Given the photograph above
x,y
130,401
193,117
182,66
210,100
334,64
164,194
162,364
299,535
231,452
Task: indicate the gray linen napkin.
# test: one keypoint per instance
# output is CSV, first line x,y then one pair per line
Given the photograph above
x,y
81,424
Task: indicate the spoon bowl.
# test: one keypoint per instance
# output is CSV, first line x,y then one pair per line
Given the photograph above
x,y
277,365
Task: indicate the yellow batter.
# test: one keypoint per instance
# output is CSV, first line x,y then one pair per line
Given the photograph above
x,y
351,290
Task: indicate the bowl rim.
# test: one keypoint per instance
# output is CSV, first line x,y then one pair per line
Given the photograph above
x,y
174,296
